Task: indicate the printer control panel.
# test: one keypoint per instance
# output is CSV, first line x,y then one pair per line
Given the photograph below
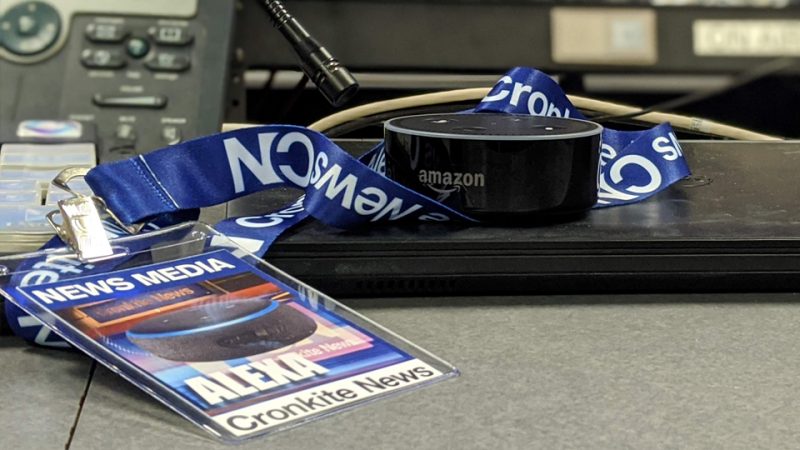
x,y
84,82
146,74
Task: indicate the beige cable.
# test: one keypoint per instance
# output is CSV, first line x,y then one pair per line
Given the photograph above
x,y
676,120
475,94
414,101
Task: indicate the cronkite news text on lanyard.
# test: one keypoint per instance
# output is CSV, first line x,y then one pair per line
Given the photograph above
x,y
170,184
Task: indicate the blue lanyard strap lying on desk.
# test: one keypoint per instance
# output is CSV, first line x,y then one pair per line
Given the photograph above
x,y
345,192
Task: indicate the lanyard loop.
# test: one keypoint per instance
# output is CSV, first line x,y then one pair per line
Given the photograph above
x,y
81,225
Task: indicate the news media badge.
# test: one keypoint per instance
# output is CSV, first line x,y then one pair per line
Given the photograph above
x,y
234,345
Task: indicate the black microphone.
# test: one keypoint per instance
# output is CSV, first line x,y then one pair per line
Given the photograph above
x,y
335,82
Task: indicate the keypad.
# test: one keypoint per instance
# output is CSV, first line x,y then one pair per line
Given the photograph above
x,y
114,46
124,78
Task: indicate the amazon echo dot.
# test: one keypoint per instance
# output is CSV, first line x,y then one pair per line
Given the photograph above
x,y
222,330
497,167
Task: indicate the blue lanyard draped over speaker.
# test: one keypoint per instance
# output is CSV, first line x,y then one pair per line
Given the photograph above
x,y
343,191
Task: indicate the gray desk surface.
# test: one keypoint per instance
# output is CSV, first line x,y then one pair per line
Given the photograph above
x,y
657,371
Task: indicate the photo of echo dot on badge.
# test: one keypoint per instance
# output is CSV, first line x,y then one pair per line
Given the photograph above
x,y
218,331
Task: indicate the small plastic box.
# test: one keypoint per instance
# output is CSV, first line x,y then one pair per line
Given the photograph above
x,y
35,156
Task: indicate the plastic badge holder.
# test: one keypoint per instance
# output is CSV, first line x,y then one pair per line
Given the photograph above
x,y
25,174
19,207
230,342
37,156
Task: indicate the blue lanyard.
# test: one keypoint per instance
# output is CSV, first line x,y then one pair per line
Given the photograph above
x,y
343,191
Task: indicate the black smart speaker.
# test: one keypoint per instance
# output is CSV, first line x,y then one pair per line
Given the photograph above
x,y
222,330
497,167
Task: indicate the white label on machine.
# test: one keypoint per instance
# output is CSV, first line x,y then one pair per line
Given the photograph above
x,y
624,36
746,37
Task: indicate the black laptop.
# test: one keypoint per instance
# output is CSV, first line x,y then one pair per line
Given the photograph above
x,y
734,225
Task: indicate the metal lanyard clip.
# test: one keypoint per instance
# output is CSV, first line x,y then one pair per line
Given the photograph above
x,y
81,226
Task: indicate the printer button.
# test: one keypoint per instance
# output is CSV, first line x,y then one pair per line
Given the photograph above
x,y
137,47
126,132
171,35
171,134
103,59
130,101
168,62
106,32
